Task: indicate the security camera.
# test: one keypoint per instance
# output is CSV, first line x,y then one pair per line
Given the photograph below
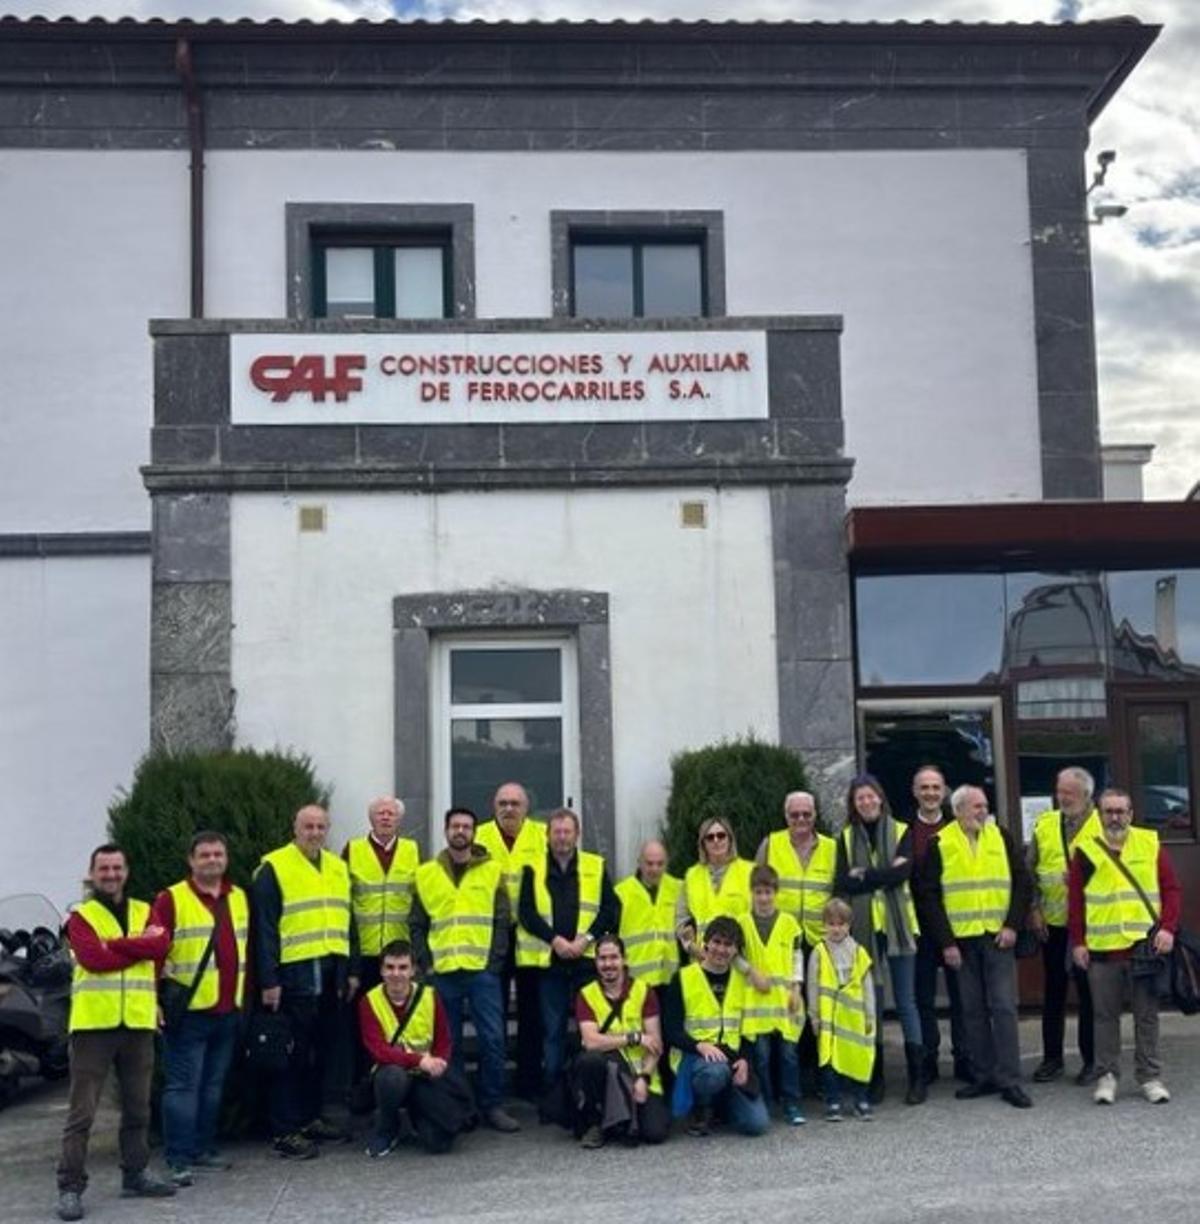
x,y
1108,212
1107,157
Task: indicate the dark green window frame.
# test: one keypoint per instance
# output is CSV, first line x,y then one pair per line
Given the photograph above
x,y
383,244
637,242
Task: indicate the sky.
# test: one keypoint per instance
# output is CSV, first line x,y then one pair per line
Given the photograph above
x,y
1146,265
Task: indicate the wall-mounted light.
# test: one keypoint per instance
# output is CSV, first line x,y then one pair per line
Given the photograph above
x,y
1107,212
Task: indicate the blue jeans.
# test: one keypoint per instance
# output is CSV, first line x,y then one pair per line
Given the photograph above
x,y
903,972
833,1083
789,1067
712,1085
197,1058
481,990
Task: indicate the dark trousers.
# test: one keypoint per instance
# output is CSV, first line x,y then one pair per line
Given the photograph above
x,y
130,1052
393,1091
988,982
320,1042
929,961
529,1021
557,990
197,1055
590,1080
1054,1000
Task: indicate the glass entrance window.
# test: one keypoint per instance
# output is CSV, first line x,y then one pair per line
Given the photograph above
x,y
1162,771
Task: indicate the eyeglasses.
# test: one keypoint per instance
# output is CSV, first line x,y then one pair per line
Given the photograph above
x,y
802,815
716,835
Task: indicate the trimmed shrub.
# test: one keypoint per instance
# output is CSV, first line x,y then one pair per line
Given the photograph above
x,y
743,780
250,796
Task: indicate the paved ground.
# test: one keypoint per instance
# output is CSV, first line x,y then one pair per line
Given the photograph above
x,y
1066,1161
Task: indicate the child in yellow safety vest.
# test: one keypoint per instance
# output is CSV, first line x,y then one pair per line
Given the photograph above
x,y
773,1015
841,1005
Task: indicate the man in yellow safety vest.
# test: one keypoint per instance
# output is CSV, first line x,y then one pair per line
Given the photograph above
x,y
647,925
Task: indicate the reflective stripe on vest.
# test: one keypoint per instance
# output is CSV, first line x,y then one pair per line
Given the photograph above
x,y
628,1020
417,1037
842,1009
803,891
381,903
124,998
768,1012
647,929
590,873
315,919
1052,864
193,929
732,899
461,916
976,882
528,849
1116,916
704,1019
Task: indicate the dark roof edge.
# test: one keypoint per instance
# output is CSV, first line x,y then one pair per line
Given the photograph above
x,y
1141,39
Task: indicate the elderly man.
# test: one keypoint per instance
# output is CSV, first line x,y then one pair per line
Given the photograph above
x,y
1055,836
114,945
647,928
567,900
207,920
461,929
1122,889
302,930
806,862
513,839
974,894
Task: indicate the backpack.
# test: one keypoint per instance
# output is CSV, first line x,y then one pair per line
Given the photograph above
x,y
1185,972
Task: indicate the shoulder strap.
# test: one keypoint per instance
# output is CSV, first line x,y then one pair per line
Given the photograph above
x,y
614,1012
1062,832
218,912
1120,866
408,1015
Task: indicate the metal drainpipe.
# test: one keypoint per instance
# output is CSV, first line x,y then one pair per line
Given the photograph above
x,y
195,114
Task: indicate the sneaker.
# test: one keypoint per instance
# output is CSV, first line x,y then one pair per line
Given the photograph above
x,y
296,1147
380,1145
1155,1091
794,1115
501,1120
320,1131
863,1111
1106,1090
592,1138
833,1113
145,1185
211,1161
70,1205
179,1176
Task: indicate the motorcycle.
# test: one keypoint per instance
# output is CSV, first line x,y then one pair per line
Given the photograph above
x,y
35,992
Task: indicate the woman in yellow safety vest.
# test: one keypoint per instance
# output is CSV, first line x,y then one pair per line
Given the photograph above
x,y
718,883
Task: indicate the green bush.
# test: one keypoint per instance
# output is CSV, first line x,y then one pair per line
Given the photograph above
x,y
743,780
249,796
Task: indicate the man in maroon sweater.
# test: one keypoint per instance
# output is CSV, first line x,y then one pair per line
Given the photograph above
x,y
406,1035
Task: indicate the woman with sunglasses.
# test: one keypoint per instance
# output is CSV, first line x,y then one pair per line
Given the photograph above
x,y
874,863
718,884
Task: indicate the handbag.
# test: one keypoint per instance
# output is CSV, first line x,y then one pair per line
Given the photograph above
x,y
174,998
1145,962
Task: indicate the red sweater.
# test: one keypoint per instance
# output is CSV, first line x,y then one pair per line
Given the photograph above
x,y
225,951
1170,900
98,955
383,1052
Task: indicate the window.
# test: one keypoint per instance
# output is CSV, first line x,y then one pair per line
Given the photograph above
x,y
1163,747
506,708
381,276
638,265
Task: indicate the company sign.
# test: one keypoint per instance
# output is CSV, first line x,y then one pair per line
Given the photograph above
x,y
403,379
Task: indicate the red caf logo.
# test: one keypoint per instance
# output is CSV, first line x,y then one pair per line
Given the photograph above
x,y
284,376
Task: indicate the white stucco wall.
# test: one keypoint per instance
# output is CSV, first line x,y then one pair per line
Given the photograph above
x,y
92,246
925,253
691,620
74,710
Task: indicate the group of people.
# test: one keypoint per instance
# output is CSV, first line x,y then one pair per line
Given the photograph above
x,y
711,998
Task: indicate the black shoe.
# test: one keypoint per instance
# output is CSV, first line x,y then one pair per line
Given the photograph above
x,y
929,1069
145,1185
1016,1096
320,1131
968,1092
1048,1069
70,1205
914,1057
963,1072
1087,1076
296,1147
700,1123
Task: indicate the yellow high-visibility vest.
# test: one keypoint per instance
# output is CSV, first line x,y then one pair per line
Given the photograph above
x,y
768,1013
879,896
647,929
193,929
1052,864
315,920
844,1041
532,951
1116,916
529,848
803,891
124,998
417,1037
704,1019
731,899
629,1020
462,915
976,881
380,901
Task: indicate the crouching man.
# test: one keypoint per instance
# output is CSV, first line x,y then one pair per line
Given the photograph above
x,y
407,1038
615,1086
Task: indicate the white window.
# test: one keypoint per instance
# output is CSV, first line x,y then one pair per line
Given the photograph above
x,y
505,709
